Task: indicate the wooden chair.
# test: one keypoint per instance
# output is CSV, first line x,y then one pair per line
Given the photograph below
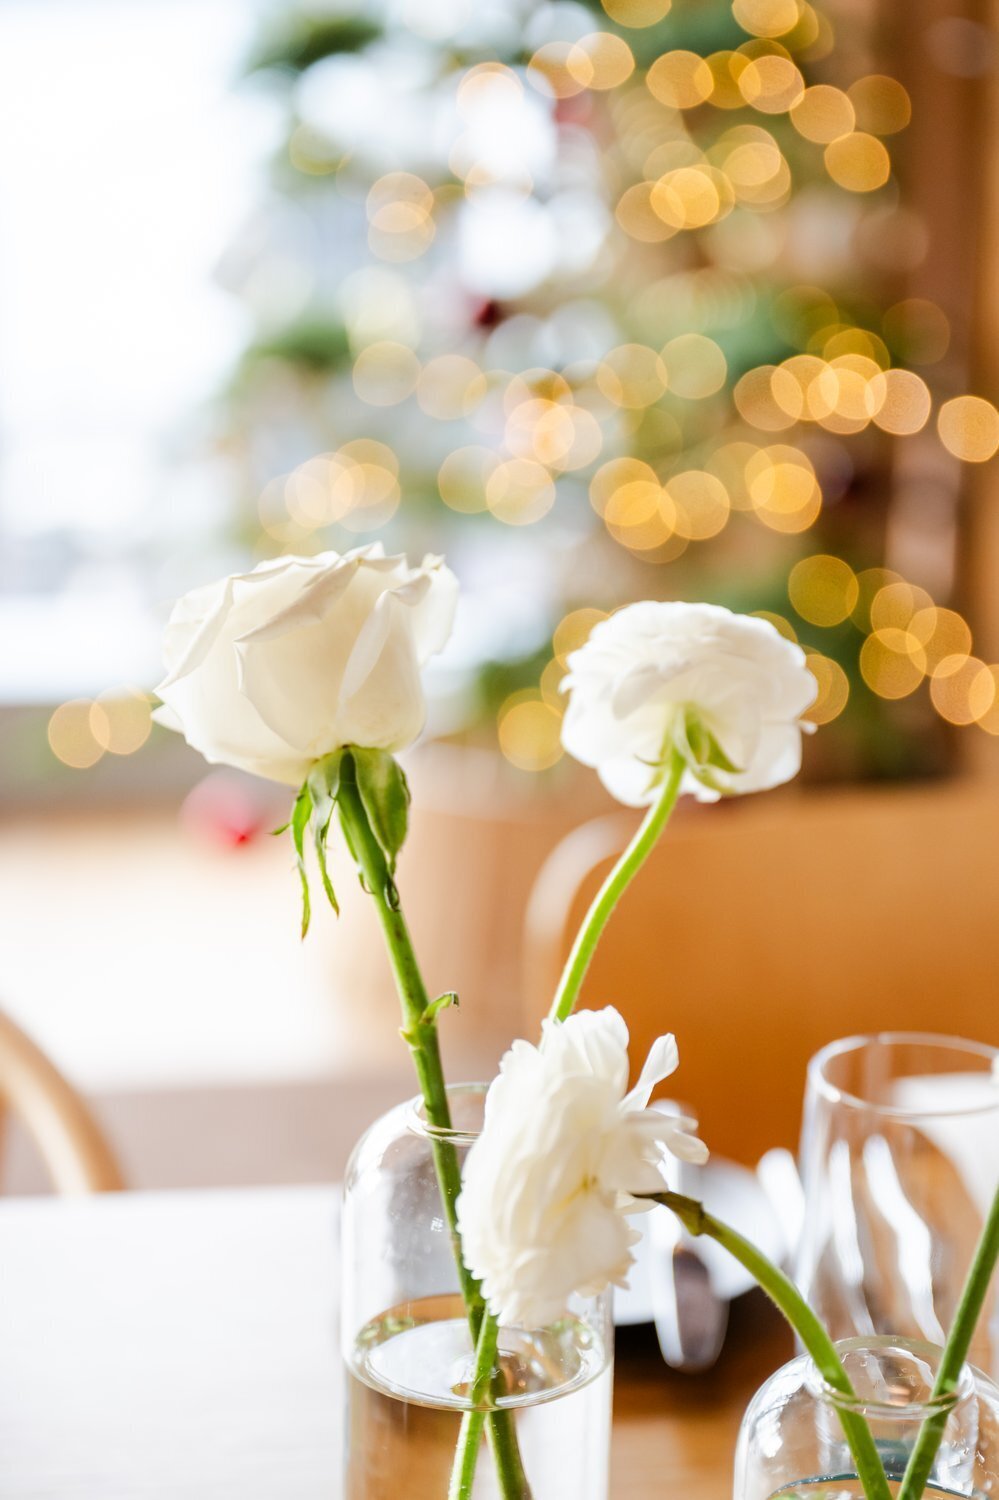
x,y
75,1153
764,927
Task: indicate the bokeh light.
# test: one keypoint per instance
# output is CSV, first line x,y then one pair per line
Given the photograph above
x,y
71,736
834,688
637,13
121,720
681,80
892,662
823,114
695,366
632,375
823,589
962,689
969,428
529,732
881,104
858,162
573,631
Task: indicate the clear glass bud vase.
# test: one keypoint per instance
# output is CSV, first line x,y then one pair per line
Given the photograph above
x,y
408,1349
791,1442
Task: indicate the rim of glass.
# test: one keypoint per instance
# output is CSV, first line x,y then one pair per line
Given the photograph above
x,y
418,1123
960,1046
906,1411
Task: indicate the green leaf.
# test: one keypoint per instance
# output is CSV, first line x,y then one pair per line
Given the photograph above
x,y
433,1010
299,823
384,794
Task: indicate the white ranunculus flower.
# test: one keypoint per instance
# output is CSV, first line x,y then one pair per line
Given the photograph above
x,y
726,690
563,1147
273,669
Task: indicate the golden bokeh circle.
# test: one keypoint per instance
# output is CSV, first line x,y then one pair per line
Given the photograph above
x,y
834,688
955,689
695,366
573,631
823,589
529,732
520,491
858,162
905,403
637,13
632,375
823,114
680,79
699,506
767,17
892,663
881,103
71,733
121,720
969,428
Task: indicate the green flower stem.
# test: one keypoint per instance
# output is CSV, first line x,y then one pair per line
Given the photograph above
x,y
420,1033
917,1470
502,1438
613,889
781,1290
466,1454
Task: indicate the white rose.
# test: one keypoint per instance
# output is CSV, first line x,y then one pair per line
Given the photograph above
x,y
727,691
273,669
549,1181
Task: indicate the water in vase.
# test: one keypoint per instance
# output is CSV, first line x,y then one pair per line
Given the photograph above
x,y
407,1379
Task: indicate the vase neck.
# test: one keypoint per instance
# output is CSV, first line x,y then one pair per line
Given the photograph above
x,y
893,1380
466,1105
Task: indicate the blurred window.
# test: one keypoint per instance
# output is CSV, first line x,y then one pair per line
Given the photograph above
x,y
127,162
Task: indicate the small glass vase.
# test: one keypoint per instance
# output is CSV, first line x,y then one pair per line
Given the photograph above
x,y
407,1347
791,1442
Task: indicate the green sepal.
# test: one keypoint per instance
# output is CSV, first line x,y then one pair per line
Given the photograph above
x,y
385,796
705,747
299,823
319,839
324,785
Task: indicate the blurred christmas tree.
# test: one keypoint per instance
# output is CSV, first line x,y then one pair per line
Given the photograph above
x,y
606,303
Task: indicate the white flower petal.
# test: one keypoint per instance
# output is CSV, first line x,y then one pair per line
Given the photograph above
x,y
663,1059
270,670
549,1183
650,667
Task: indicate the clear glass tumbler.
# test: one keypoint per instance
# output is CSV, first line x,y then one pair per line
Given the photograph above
x,y
900,1161
407,1347
791,1441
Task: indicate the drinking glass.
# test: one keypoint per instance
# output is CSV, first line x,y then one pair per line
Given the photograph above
x,y
900,1161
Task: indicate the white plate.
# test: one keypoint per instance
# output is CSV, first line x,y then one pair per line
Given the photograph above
x,y
731,1193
